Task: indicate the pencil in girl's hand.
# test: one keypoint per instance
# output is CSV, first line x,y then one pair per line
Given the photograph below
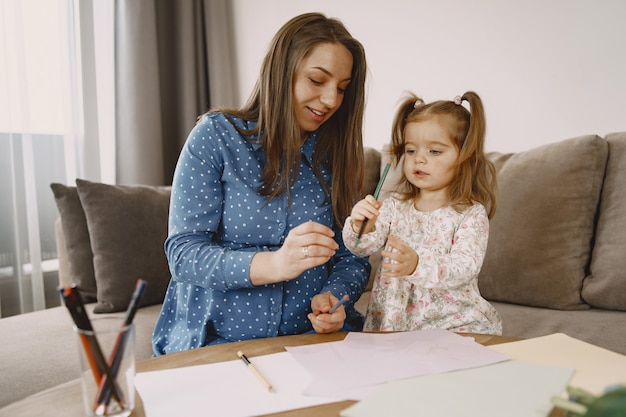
x,y
382,179
376,194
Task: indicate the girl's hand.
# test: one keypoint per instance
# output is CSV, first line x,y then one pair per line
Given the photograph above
x,y
365,209
400,261
320,319
306,246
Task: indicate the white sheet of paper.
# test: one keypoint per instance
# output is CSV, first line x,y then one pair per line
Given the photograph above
x,y
350,368
512,389
226,389
596,367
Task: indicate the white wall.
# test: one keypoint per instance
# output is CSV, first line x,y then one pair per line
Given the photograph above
x,y
546,70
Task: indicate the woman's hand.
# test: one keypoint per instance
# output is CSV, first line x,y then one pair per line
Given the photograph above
x,y
365,209
400,261
306,246
320,319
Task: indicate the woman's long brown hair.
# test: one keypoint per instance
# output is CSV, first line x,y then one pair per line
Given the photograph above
x,y
340,139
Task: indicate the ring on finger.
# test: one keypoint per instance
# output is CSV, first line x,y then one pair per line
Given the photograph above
x,y
305,251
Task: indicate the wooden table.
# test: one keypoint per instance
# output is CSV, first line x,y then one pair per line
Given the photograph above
x,y
65,399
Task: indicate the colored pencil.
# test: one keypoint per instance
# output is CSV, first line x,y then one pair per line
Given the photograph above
x,y
76,307
115,360
255,371
376,194
341,301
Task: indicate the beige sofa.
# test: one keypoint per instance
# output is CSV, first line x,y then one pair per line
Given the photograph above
x,y
556,260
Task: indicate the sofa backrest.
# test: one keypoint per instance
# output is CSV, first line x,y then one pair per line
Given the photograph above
x,y
541,236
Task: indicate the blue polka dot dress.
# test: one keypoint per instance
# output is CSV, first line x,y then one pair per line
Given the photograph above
x,y
218,221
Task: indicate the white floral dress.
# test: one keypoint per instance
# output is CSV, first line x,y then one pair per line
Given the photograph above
x,y
443,291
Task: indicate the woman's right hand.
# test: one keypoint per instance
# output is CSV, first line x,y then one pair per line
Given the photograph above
x,y
308,245
365,209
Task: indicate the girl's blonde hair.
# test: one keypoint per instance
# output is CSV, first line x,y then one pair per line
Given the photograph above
x,y
340,139
476,175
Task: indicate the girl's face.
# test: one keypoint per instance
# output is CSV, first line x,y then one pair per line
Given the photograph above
x,y
319,84
430,157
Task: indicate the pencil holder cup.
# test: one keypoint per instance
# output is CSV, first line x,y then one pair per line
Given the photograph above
x,y
107,367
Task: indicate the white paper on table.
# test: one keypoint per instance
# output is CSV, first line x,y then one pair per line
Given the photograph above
x,y
596,367
226,389
363,360
512,389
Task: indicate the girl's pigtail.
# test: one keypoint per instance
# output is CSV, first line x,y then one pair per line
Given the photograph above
x,y
408,105
483,178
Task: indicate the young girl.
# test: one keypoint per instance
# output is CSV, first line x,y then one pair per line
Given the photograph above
x,y
434,230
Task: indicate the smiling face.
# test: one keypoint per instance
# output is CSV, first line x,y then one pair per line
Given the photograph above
x,y
319,84
430,158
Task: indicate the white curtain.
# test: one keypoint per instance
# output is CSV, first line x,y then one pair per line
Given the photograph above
x,y
61,63
54,109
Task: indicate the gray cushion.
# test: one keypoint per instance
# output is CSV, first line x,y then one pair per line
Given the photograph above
x,y
127,229
76,233
541,235
606,286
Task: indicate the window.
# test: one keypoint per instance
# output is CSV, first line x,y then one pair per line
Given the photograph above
x,y
54,108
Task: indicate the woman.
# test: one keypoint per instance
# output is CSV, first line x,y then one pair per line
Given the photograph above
x,y
259,197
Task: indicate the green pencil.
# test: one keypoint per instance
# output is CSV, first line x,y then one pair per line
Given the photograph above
x,y
376,193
